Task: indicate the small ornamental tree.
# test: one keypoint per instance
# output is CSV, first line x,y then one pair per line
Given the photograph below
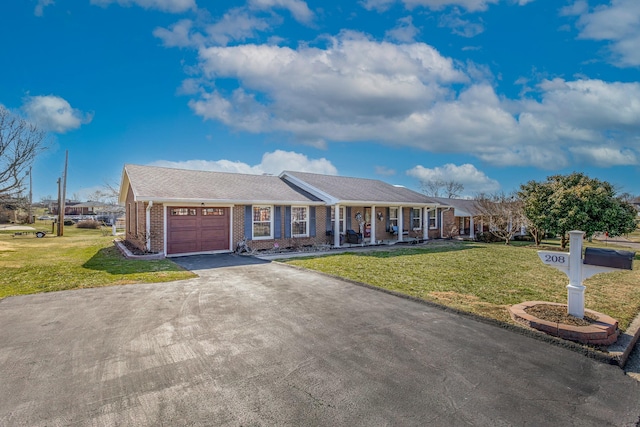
x,y
536,207
502,212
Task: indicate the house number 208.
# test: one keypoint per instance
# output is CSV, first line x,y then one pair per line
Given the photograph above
x,y
555,258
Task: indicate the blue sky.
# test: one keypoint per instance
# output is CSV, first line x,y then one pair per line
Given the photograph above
x,y
490,93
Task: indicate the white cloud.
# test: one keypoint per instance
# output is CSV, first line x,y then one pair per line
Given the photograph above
x,y
171,6
377,5
272,163
470,5
577,8
178,35
280,160
473,180
619,23
404,32
358,89
235,25
52,113
459,26
350,84
606,156
39,9
298,9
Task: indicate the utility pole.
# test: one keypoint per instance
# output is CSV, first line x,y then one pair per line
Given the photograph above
x,y
60,212
62,194
30,219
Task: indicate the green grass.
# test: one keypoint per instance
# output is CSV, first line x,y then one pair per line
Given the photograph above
x,y
82,258
484,279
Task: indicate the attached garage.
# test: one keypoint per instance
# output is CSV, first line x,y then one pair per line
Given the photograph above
x,y
197,229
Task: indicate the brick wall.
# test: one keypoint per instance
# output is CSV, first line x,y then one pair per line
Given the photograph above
x,y
134,222
319,239
157,227
449,224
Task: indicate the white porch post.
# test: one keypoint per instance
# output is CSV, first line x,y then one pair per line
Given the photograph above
x,y
471,232
373,225
425,223
336,226
148,226
400,223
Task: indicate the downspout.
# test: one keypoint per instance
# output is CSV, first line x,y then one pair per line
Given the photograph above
x,y
148,227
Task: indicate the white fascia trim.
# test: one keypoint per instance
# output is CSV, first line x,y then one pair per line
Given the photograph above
x,y
326,197
124,186
218,202
460,213
379,204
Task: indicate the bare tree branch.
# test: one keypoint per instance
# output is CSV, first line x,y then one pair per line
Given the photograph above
x,y
441,188
20,142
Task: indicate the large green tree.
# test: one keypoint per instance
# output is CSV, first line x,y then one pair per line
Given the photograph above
x,y
576,202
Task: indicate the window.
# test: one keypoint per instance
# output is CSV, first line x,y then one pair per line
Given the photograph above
x,y
183,212
342,216
432,218
262,222
393,217
213,211
299,221
416,221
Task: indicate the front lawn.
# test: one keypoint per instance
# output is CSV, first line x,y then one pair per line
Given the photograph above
x,y
82,258
483,279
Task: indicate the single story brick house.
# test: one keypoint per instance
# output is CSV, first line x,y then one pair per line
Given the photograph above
x,y
182,212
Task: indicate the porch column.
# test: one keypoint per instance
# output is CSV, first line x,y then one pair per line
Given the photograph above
x,y
425,223
471,232
336,226
373,225
400,223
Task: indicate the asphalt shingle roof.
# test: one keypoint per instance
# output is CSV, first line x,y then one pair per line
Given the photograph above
x,y
158,183
466,205
347,189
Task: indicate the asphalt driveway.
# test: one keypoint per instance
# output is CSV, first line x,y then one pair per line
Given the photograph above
x,y
259,343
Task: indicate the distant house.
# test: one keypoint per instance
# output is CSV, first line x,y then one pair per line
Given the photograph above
x,y
179,212
636,203
466,217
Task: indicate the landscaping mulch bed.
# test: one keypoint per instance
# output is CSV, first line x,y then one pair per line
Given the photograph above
x,y
558,314
134,249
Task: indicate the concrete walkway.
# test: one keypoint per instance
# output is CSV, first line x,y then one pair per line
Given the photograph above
x,y
252,342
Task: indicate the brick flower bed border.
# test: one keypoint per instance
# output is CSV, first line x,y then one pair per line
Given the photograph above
x,y
603,332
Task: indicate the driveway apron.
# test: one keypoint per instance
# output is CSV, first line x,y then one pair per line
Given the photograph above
x,y
260,343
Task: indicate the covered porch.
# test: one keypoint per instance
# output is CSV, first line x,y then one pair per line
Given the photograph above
x,y
375,225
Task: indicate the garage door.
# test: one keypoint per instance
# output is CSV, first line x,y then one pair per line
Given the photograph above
x,y
197,229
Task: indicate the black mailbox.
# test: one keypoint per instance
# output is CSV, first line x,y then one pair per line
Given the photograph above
x,y
609,258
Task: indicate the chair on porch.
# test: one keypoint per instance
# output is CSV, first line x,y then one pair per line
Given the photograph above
x,y
350,236
394,230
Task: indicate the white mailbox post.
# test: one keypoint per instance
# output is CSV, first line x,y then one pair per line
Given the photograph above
x,y
571,264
